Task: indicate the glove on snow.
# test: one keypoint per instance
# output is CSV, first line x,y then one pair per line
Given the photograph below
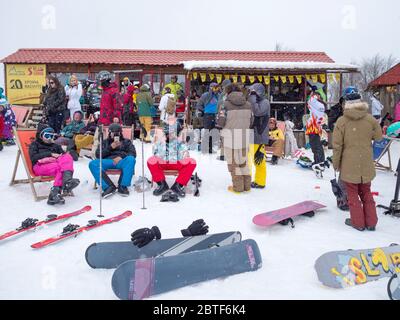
x,y
143,236
197,228
259,156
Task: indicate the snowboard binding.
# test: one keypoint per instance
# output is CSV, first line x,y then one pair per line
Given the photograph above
x,y
28,223
51,217
286,222
92,223
69,228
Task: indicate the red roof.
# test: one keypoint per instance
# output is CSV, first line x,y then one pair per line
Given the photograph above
x,y
154,57
389,78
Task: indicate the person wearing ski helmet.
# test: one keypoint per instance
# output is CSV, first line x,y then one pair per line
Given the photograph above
x,y
117,153
111,101
49,159
352,157
261,110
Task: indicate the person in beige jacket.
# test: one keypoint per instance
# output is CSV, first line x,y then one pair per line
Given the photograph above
x,y
235,137
353,157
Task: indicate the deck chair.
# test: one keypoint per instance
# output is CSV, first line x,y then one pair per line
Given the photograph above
x,y
380,149
128,133
23,138
22,115
270,150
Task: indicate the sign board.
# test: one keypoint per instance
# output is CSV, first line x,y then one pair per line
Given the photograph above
x,y
24,82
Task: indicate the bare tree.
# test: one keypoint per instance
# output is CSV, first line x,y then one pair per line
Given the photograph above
x,y
279,46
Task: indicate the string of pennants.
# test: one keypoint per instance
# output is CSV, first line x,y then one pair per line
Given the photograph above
x,y
218,77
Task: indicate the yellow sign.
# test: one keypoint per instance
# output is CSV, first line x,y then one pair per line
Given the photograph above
x,y
283,79
323,78
260,78
25,82
194,75
252,79
276,78
291,79
299,79
235,78
227,76
211,76
314,78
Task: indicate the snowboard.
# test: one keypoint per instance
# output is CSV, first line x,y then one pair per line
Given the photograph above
x,y
272,217
143,278
340,269
109,255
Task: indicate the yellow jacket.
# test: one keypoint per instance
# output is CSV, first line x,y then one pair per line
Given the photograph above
x,y
276,134
175,87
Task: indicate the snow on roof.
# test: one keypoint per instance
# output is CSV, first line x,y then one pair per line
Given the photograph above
x,y
271,65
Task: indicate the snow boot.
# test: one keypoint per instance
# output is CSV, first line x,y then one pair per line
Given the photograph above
x,y
123,191
178,189
274,160
348,222
55,196
162,187
68,182
256,186
371,228
318,168
109,191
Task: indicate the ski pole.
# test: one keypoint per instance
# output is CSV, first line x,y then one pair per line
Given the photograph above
x,y
101,170
143,182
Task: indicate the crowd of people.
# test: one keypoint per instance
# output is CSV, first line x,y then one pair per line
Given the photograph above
x,y
229,116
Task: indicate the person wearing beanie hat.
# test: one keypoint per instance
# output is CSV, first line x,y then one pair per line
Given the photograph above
x,y
49,159
207,107
352,157
117,153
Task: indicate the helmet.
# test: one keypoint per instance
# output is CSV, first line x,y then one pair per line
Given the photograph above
x,y
304,162
351,93
48,133
115,127
103,76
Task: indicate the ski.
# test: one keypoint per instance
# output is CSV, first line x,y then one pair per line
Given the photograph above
x,y
30,223
73,230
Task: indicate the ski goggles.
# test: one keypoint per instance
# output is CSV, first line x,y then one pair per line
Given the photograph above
x,y
48,134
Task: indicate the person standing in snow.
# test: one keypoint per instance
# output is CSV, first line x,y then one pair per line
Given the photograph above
x,y
54,104
167,99
376,108
174,86
261,110
110,103
144,102
9,121
73,92
276,140
128,106
314,130
352,156
221,113
290,140
49,159
234,135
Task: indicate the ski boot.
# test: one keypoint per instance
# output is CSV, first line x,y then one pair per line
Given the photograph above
x,y
69,228
348,223
318,169
256,186
123,191
55,196
178,189
109,192
162,187
286,222
27,223
69,183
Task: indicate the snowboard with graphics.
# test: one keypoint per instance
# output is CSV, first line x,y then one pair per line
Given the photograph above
x,y
143,278
340,269
109,255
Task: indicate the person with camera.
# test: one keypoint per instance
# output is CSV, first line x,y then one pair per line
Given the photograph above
x,y
73,92
54,104
49,159
117,153
261,110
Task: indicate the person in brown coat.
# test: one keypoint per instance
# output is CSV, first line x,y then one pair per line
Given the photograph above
x,y
235,140
353,157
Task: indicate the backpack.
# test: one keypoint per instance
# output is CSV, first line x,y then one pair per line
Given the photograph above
x,y
171,106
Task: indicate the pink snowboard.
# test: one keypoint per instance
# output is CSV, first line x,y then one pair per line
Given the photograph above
x,y
269,218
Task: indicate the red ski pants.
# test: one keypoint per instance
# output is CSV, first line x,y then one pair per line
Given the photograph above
x,y
185,167
362,205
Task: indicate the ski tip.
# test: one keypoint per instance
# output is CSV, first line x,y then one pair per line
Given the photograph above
x,y
87,208
36,246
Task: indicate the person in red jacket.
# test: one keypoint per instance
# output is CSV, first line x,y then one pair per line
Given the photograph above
x,y
128,106
110,103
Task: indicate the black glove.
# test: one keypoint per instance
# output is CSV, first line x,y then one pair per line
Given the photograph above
x,y
141,237
259,156
197,228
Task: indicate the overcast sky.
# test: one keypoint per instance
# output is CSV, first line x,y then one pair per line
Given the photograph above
x,y
344,29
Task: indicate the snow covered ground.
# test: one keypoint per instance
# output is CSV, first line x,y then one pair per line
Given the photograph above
x,y
60,271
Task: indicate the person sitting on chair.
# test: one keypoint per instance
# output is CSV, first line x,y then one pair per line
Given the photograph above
x,y
170,153
276,140
117,153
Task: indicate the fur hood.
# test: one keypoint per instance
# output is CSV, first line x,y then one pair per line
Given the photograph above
x,y
355,110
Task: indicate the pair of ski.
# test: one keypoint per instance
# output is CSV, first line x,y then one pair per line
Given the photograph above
x,y
169,264
68,232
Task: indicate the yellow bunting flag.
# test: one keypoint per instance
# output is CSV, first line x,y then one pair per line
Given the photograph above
x,y
331,78
299,79
252,79
243,79
211,75
323,78
308,77
314,78
260,78
337,77
291,79
276,78
203,77
235,78
284,79
219,78
194,75
227,76
267,80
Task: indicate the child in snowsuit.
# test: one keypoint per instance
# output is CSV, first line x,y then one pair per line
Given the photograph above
x,y
276,140
49,159
290,140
